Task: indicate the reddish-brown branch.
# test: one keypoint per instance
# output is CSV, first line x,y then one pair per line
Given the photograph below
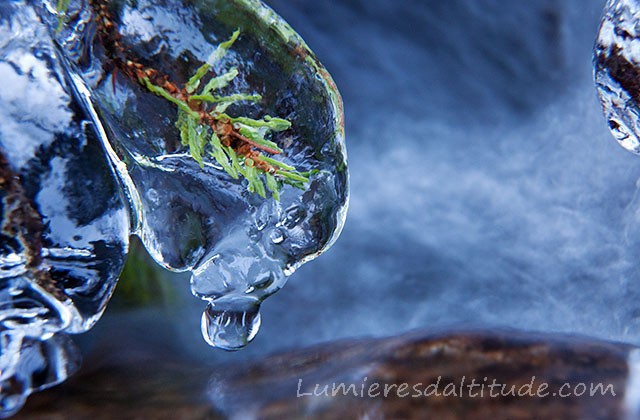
x,y
254,144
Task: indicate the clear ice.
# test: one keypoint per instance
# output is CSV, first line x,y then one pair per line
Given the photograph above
x,y
617,71
88,157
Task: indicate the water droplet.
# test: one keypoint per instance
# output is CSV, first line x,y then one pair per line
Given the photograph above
x,y
276,236
231,325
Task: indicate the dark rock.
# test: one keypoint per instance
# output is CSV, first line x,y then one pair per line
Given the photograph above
x,y
270,387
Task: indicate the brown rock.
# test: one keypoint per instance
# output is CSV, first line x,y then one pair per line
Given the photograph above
x,y
270,388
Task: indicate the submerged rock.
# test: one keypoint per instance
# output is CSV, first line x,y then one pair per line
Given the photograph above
x,y
278,386
445,376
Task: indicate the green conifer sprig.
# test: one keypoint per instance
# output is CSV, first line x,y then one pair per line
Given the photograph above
x,y
202,140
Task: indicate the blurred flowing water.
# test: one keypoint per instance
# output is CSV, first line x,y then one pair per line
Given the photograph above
x,y
486,188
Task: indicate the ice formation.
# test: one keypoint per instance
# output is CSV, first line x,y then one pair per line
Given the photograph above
x,y
89,155
617,70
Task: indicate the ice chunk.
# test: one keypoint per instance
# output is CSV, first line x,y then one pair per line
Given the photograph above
x,y
29,364
64,224
617,70
191,213
64,221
